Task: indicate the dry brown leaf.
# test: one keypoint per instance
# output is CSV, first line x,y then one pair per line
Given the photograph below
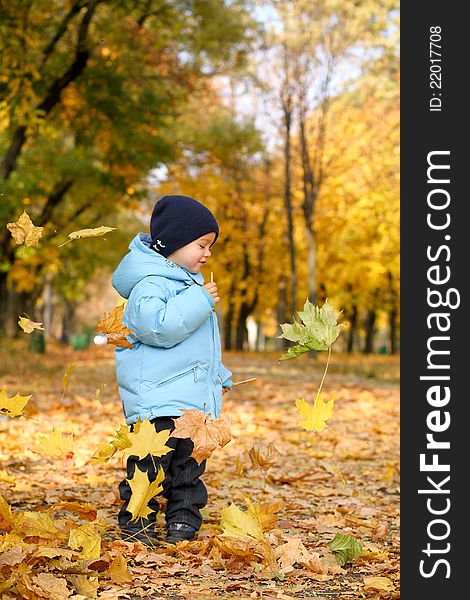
x,y
7,518
111,324
91,232
290,553
205,434
264,455
245,547
51,586
85,510
378,584
11,557
25,231
379,532
29,326
84,585
118,570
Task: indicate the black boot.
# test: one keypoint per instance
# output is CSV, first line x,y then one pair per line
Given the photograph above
x,y
177,532
133,532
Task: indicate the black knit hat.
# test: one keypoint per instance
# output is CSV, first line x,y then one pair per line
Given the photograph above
x,y
179,220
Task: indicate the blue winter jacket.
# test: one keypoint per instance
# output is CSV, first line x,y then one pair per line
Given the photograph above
x,y
176,360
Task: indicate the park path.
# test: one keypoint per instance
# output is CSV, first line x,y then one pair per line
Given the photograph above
x,y
342,480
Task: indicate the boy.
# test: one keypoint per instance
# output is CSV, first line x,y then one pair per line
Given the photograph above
x,y
175,363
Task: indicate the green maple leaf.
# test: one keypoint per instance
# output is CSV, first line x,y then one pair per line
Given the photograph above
x,y
318,331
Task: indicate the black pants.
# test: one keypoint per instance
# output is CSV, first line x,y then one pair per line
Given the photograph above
x,y
185,492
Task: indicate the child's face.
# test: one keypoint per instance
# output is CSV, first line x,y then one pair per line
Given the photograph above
x,y
193,256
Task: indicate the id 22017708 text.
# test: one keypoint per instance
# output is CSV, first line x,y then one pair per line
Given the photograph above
x,y
435,68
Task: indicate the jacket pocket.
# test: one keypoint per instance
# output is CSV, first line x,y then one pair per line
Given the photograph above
x,y
195,370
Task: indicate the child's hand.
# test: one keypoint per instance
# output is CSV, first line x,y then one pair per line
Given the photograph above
x,y
211,287
225,389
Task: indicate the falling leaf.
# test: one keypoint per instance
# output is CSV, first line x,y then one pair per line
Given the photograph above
x,y
318,331
264,456
314,417
93,232
111,324
375,584
29,326
345,547
206,435
142,492
54,443
25,231
146,440
104,452
239,466
118,570
14,406
87,539
65,380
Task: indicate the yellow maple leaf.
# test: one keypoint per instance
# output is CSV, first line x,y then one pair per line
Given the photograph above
x,y
36,524
93,232
29,326
378,584
118,570
146,440
25,231
54,443
14,406
314,417
86,538
111,324
239,523
142,492
7,518
104,452
85,585
205,434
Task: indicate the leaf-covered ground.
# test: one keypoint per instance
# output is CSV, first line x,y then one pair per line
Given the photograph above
x,y
342,480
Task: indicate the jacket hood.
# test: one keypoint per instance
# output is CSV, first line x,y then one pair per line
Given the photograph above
x,y
142,261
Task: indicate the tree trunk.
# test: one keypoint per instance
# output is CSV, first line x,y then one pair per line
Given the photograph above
x,y
370,331
287,108
281,311
392,326
352,329
3,302
392,314
67,321
241,332
228,321
311,264
54,92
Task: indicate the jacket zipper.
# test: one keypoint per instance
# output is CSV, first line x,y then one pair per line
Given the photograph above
x,y
194,369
